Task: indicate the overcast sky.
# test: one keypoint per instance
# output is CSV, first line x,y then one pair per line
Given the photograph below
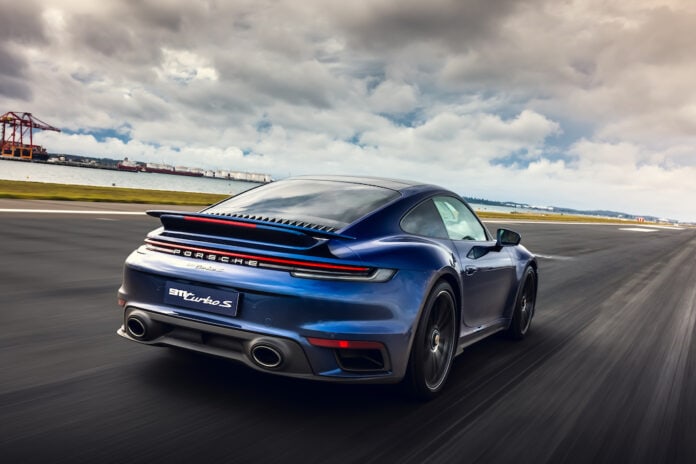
x,y
586,104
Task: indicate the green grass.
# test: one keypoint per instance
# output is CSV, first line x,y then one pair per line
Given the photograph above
x,y
47,191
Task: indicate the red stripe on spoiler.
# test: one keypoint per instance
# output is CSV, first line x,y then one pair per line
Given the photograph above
x,y
220,221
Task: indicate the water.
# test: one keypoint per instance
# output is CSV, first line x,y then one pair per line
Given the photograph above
x,y
39,172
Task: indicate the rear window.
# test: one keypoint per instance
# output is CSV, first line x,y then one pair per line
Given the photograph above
x,y
325,203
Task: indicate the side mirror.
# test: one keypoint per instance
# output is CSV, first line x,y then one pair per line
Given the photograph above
x,y
505,237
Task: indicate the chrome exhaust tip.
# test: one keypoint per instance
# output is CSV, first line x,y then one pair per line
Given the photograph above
x,y
140,326
266,356
136,327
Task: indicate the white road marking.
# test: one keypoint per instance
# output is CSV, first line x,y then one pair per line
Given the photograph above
x,y
638,229
562,258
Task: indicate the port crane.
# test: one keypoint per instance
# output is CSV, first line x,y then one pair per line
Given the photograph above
x,y
16,129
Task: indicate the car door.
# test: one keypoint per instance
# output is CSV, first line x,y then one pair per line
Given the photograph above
x,y
487,271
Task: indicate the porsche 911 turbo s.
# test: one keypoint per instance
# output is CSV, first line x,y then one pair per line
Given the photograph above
x,y
346,279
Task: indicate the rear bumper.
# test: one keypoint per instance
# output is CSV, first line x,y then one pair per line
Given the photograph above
x,y
249,348
281,312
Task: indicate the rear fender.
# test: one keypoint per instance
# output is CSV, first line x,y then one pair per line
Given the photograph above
x,y
404,252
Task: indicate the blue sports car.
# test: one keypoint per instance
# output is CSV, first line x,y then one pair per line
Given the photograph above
x,y
346,279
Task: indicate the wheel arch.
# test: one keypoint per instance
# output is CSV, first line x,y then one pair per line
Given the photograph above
x,y
532,264
449,276
453,282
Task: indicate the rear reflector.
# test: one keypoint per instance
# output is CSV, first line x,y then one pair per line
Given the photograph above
x,y
345,344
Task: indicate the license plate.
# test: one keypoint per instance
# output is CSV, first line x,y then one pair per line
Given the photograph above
x,y
202,298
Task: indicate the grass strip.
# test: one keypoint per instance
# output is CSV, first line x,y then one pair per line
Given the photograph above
x,y
49,191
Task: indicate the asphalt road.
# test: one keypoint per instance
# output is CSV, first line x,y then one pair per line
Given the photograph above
x,y
608,373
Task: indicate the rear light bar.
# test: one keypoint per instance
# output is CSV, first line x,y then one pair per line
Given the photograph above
x,y
377,275
297,268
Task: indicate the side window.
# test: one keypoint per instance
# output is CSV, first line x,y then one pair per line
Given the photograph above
x,y
424,219
460,222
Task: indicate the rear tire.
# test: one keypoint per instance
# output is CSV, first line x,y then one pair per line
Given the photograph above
x,y
524,306
434,345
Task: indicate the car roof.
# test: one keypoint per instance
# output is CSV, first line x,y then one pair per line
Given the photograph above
x,y
391,184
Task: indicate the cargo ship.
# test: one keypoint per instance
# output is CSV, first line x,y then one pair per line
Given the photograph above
x,y
128,165
169,169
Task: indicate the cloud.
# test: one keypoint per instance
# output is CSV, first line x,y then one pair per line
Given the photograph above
x,y
389,24
12,70
21,24
586,104
393,97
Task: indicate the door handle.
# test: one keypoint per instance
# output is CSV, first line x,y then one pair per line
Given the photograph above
x,y
470,270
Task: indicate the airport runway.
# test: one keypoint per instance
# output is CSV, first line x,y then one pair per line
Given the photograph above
x,y
608,373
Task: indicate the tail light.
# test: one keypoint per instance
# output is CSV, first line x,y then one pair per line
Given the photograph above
x,y
297,268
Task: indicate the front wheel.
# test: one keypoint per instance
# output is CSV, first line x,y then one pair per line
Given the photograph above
x,y
524,306
434,345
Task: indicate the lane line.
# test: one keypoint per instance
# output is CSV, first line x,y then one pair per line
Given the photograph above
x,y
637,229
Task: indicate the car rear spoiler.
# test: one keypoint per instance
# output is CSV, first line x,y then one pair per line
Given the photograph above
x,y
169,218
